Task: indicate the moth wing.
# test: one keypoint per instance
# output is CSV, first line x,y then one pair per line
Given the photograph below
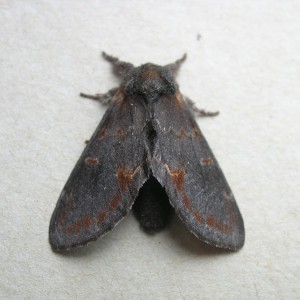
x,y
193,180
106,179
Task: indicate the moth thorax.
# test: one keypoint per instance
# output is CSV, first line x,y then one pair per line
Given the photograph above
x,y
151,89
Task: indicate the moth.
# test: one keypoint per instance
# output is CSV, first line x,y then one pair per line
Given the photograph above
x,y
147,153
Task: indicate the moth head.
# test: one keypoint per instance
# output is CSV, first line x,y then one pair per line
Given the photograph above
x,y
150,81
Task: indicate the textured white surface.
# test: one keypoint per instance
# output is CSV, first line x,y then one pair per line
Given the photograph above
x,y
246,65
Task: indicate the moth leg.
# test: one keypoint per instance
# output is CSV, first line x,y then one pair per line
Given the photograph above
x,y
120,68
102,98
200,112
174,67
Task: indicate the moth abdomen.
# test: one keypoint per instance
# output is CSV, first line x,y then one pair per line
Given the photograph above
x,y
152,207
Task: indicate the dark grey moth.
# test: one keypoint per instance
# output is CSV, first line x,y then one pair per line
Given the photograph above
x,y
147,153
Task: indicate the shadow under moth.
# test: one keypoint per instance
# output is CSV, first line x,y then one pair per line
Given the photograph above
x,y
148,154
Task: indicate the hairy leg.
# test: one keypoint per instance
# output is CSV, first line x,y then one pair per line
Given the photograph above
x,y
200,112
102,98
120,68
174,67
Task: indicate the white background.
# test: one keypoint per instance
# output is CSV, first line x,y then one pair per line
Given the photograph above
x,y
246,65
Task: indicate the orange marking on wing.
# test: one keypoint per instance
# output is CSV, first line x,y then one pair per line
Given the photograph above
x,y
103,131
227,229
181,133
125,177
207,162
119,97
115,201
78,226
186,201
121,133
196,133
210,221
195,129
219,226
87,222
178,99
91,161
70,229
177,176
198,216
101,217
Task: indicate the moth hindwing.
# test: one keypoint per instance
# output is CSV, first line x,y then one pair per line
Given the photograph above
x,y
147,149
